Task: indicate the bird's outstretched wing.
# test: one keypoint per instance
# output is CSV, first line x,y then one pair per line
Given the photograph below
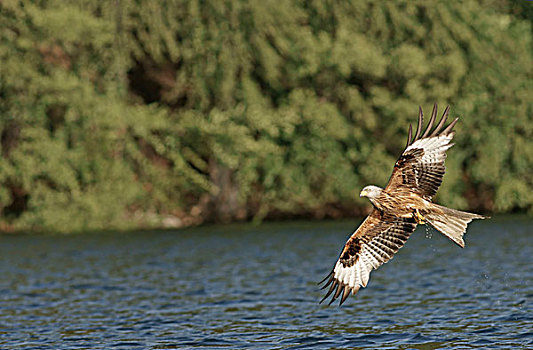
x,y
375,242
420,168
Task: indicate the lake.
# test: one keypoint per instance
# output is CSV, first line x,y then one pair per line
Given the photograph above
x,y
242,286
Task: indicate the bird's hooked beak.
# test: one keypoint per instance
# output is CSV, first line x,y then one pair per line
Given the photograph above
x,y
363,193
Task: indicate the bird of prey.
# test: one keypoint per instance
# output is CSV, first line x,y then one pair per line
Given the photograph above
x,y
399,207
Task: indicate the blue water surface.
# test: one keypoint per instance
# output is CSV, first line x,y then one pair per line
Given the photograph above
x,y
247,287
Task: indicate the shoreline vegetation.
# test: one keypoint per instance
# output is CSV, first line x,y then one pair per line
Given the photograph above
x,y
126,115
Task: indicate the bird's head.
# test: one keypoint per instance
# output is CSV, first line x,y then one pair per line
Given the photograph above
x,y
370,192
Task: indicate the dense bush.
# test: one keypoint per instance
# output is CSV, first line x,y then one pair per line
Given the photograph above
x,y
133,114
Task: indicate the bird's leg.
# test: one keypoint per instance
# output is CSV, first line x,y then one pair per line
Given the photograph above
x,y
419,218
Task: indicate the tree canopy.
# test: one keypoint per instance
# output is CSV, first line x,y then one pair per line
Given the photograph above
x,y
122,114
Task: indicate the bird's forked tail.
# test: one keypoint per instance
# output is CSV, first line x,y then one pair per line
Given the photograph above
x,y
450,222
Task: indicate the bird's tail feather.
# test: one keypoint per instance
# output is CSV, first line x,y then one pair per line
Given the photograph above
x,y
450,222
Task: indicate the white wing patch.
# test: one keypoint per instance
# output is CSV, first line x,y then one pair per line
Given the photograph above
x,y
434,147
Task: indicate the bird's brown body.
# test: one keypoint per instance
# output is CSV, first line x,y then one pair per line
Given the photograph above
x,y
401,203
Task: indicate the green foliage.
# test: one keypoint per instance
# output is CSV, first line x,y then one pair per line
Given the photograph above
x,y
125,114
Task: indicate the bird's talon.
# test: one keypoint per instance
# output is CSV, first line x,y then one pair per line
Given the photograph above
x,y
419,218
